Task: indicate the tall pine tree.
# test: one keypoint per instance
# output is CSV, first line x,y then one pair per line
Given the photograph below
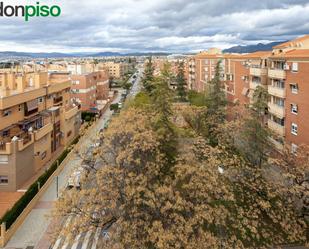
x,y
181,82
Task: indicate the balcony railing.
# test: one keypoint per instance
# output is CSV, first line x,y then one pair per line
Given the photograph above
x,y
5,148
277,128
277,91
254,84
276,73
68,114
277,110
25,140
257,71
38,134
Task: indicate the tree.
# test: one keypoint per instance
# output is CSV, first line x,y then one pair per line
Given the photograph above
x,y
215,113
181,82
148,77
143,207
253,142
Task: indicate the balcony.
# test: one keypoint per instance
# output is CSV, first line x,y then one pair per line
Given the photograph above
x,y
25,140
277,91
277,110
279,146
277,128
256,71
38,134
277,74
254,84
58,87
5,148
68,114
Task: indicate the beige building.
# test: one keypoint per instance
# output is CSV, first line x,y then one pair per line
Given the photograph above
x,y
36,120
116,70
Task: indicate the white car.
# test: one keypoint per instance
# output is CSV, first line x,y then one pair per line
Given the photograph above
x,y
74,180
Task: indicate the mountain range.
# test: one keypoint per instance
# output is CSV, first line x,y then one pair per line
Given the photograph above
x,y
14,54
236,49
252,48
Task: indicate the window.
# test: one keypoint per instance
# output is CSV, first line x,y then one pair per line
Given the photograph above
x,y
20,107
278,101
294,88
294,129
295,67
7,113
4,159
4,180
40,100
294,108
294,148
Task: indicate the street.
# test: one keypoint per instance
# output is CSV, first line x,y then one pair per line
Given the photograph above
x,y
32,233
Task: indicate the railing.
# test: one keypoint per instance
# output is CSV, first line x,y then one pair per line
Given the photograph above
x,y
38,134
71,112
277,128
254,84
277,110
258,71
276,73
277,91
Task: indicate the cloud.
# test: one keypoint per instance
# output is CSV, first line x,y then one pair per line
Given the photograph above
x,y
161,25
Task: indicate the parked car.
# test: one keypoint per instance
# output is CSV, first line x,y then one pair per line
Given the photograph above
x,y
74,180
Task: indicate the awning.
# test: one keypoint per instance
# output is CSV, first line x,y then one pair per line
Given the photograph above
x,y
32,105
293,84
245,91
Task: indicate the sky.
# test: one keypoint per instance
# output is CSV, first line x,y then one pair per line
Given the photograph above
x,y
154,25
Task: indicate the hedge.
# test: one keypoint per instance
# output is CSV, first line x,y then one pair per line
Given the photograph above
x,y
11,215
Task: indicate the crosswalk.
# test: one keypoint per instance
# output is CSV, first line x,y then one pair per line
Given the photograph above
x,y
86,240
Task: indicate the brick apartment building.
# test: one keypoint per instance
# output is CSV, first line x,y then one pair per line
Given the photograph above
x,y
37,119
283,71
89,88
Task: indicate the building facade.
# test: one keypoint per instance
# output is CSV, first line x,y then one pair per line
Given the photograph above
x,y
37,120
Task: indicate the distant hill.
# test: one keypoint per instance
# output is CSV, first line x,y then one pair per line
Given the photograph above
x,y
14,54
252,48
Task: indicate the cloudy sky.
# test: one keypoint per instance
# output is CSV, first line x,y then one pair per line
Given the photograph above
x,y
154,25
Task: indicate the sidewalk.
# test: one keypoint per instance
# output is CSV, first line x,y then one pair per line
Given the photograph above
x,y
33,230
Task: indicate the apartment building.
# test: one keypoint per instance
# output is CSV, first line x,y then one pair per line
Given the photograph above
x,y
284,72
116,69
204,68
37,120
89,87
288,87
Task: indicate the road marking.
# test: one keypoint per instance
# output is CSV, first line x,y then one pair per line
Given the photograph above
x,y
67,222
76,241
96,238
86,241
